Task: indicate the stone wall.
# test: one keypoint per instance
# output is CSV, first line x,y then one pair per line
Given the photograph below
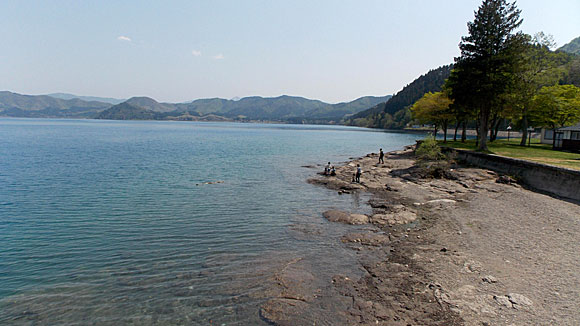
x,y
559,181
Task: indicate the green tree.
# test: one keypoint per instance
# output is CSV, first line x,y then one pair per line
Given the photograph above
x,y
488,54
557,106
537,67
434,108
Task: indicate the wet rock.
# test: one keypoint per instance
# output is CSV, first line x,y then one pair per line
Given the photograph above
x,y
280,311
367,239
344,217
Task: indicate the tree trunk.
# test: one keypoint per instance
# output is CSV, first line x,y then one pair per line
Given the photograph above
x,y
483,126
445,131
464,131
456,128
496,129
435,133
524,130
491,127
477,131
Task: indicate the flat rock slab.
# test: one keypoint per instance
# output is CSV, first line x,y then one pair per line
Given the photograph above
x,y
344,217
367,239
518,299
398,218
440,203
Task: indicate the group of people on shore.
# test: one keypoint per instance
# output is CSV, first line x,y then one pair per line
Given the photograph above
x,y
330,170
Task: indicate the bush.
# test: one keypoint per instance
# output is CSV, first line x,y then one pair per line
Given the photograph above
x,y
429,150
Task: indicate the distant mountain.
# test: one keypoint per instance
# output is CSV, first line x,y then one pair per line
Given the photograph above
x,y
273,108
284,108
43,106
281,108
127,111
150,104
345,109
206,106
390,114
572,47
66,96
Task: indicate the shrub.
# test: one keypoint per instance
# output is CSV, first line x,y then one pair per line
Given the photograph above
x,y
429,150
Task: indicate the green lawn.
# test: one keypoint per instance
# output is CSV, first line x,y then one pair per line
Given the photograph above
x,y
536,152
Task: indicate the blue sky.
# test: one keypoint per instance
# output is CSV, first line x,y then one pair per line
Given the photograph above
x,y
177,51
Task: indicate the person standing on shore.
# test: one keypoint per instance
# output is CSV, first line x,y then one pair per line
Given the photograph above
x,y
358,173
381,156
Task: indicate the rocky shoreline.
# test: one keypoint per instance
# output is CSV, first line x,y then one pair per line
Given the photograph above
x,y
466,247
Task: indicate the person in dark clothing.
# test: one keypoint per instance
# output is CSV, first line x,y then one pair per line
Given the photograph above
x,y
358,173
381,156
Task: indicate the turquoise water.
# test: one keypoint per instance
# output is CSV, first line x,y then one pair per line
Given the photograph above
x,y
112,223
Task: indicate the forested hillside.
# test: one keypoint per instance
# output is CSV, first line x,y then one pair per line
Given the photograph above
x,y
395,112
572,47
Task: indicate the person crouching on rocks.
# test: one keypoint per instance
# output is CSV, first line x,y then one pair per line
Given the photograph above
x,y
327,169
332,171
358,173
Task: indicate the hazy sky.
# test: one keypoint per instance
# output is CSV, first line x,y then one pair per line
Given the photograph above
x,y
177,51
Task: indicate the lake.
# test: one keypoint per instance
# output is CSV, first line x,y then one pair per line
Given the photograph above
x,y
165,223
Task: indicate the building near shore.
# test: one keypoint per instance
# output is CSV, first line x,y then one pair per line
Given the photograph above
x,y
568,138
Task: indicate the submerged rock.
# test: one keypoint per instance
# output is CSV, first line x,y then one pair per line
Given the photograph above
x,y
367,239
344,217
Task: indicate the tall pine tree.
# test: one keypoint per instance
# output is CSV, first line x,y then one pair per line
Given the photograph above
x,y
487,57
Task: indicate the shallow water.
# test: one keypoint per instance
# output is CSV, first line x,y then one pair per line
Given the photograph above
x,y
112,222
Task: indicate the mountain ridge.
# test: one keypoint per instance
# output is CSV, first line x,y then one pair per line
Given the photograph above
x,y
284,108
68,96
571,47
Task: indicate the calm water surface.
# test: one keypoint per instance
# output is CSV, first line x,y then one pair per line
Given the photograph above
x,y
111,223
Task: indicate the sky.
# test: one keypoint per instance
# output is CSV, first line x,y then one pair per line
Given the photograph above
x,y
178,51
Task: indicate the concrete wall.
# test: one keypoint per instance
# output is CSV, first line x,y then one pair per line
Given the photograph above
x,y
547,178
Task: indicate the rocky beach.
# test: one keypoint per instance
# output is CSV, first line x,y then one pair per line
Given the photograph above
x,y
458,246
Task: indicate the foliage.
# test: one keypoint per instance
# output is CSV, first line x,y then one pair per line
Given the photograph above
x,y
433,108
572,72
429,150
536,67
557,106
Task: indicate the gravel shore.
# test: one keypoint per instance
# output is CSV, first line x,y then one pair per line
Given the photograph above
x,y
461,249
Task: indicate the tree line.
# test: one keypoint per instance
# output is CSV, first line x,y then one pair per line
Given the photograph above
x,y
504,77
